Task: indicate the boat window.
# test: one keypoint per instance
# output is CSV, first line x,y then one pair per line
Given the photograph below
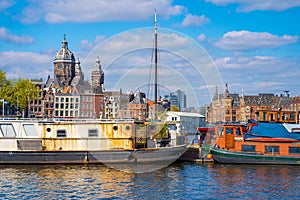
x,y
294,150
271,149
272,118
7,130
61,133
220,131
249,148
237,132
264,117
292,117
30,130
93,132
228,130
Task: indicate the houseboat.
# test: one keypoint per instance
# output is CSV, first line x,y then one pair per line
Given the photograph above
x,y
273,139
87,141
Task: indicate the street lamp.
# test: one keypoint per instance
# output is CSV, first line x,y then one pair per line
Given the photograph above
x,y
28,93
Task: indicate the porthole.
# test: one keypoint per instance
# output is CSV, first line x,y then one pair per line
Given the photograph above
x,y
48,129
127,128
115,128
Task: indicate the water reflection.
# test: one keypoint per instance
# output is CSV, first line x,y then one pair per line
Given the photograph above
x,y
265,181
178,181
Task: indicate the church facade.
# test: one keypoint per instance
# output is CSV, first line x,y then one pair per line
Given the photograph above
x,y
67,94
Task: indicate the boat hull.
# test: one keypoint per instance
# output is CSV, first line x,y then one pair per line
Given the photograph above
x,y
231,157
167,155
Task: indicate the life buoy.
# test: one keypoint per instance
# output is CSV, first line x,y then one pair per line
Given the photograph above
x,y
247,109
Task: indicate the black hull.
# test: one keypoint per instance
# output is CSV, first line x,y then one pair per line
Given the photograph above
x,y
92,157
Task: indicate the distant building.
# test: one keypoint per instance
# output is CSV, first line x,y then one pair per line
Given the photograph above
x,y
67,94
67,103
229,107
64,65
172,98
186,122
181,96
98,78
138,107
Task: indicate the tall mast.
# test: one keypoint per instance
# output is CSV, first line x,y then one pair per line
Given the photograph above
x,y
155,65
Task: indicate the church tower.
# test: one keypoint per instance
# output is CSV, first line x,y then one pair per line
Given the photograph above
x,y
98,78
64,65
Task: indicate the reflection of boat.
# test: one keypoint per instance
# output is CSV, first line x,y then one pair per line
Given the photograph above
x,y
267,141
90,141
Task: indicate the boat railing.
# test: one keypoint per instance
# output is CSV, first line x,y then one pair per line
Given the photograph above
x,y
295,130
89,120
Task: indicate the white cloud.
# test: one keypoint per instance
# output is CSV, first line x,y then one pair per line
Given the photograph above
x,y
251,5
4,4
255,62
5,35
194,20
87,45
59,11
246,40
26,64
259,73
201,37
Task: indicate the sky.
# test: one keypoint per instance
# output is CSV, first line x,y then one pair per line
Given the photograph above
x,y
251,45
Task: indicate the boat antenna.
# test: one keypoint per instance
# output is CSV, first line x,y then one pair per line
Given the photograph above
x,y
155,64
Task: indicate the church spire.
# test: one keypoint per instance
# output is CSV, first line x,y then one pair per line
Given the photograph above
x,y
226,90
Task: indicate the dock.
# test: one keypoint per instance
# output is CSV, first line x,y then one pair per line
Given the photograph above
x,y
197,154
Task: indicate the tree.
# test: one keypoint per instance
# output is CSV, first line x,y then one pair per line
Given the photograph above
x,y
24,92
5,87
174,108
2,78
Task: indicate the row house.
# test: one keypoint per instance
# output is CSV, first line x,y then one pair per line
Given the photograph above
x,y
234,108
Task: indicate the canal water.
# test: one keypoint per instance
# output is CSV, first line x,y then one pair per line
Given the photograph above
x,y
177,181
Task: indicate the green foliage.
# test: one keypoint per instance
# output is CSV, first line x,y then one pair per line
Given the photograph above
x,y
2,78
163,131
19,92
175,109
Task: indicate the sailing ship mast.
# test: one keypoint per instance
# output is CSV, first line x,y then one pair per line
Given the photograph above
x,y
155,66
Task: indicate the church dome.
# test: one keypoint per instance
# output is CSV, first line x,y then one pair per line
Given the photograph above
x,y
64,54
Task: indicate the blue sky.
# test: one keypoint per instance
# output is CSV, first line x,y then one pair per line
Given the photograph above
x,y
252,45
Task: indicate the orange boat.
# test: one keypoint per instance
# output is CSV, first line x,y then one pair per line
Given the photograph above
x,y
233,145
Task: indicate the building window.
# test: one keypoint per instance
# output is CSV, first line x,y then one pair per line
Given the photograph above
x,y
61,105
294,150
56,105
271,149
61,133
61,113
66,113
249,148
62,99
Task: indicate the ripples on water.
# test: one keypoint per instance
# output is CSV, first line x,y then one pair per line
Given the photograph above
x,y
178,181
